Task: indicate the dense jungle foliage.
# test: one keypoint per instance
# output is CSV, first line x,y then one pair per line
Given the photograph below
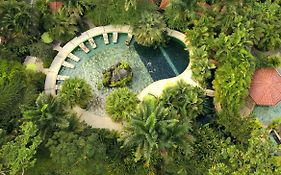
x,y
41,134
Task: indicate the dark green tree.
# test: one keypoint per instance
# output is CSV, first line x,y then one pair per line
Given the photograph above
x,y
179,12
16,89
61,25
73,151
18,18
257,158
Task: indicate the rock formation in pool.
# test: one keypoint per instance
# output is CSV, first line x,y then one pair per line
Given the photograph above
x,y
118,75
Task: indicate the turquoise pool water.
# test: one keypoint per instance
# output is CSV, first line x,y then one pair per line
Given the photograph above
x,y
148,64
266,114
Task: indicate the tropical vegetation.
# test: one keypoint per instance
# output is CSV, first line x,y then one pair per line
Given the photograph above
x,y
150,30
120,103
76,91
177,132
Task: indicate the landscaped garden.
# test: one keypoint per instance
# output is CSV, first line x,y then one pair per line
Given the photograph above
x,y
175,105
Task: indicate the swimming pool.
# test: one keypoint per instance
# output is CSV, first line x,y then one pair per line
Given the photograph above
x,y
266,114
148,64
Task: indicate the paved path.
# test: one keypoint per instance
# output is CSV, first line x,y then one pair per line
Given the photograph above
x,y
97,121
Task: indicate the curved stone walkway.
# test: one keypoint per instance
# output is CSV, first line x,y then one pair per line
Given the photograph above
x,y
97,121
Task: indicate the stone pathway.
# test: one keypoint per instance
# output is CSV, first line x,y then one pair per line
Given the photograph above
x,y
97,121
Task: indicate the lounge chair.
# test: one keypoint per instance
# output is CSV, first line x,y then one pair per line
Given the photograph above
x,y
92,43
129,38
84,48
105,38
115,37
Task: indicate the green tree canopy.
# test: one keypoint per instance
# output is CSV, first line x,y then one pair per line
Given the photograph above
x,y
49,115
71,150
16,88
185,99
257,158
18,18
19,154
121,103
76,91
150,29
155,132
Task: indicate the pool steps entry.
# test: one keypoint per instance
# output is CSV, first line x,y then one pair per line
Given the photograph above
x,y
51,85
129,39
62,77
169,61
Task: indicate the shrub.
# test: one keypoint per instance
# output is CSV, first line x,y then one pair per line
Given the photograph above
x,y
120,103
38,80
19,46
43,51
16,89
76,91
201,66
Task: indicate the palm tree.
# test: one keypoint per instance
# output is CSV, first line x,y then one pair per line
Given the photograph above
x,y
61,25
18,18
150,30
185,99
178,12
48,114
78,7
156,131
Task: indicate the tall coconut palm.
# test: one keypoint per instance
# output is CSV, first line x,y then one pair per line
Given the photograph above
x,y
156,131
150,30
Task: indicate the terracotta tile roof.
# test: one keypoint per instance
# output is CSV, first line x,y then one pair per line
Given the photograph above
x,y
55,6
266,87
